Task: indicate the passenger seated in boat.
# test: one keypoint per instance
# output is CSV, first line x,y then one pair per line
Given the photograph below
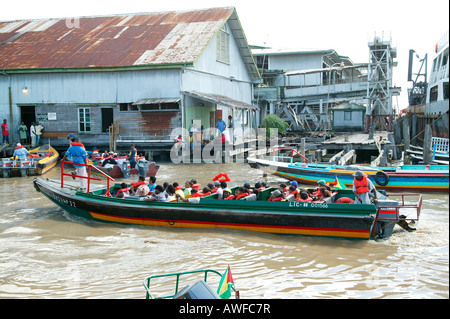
x,y
276,196
156,196
178,189
256,192
110,159
216,187
212,188
165,184
293,191
284,187
151,184
124,191
323,193
241,192
220,189
259,186
187,189
205,192
227,194
304,197
140,187
170,193
195,193
248,188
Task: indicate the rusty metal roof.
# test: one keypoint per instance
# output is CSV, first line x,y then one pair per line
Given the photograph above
x,y
143,39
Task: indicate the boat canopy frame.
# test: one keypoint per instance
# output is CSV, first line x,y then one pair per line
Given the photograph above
x,y
147,281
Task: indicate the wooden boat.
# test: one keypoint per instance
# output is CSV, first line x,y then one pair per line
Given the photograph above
x,y
39,161
420,178
327,218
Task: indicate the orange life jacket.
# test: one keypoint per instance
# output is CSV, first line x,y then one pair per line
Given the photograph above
x,y
77,144
122,190
309,199
137,184
344,200
361,186
242,195
230,197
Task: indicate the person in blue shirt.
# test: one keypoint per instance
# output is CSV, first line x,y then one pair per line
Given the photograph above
x,y
221,125
152,184
79,155
20,151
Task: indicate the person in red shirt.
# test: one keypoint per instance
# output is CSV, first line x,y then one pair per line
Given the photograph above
x,y
276,196
5,132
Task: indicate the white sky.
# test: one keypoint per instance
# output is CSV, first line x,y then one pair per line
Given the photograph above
x,y
345,26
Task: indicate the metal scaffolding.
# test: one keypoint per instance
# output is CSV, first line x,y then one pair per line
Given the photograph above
x,y
379,114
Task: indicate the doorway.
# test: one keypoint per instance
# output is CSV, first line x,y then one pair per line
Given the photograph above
x,y
28,114
107,118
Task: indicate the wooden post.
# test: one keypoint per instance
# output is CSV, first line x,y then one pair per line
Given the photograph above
x,y
406,136
303,146
427,151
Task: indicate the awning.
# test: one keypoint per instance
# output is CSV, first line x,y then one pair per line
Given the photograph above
x,y
156,101
221,100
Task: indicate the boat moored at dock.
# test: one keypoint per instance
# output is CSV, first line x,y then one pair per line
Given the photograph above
x,y
39,161
417,178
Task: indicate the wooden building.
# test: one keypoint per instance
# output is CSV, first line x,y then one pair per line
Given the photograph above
x,y
146,75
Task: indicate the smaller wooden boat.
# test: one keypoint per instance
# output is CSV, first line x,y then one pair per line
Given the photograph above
x,y
39,161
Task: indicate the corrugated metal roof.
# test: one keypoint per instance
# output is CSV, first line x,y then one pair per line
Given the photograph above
x,y
156,101
221,100
112,41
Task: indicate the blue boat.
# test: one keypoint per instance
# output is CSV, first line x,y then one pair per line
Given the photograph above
x,y
417,178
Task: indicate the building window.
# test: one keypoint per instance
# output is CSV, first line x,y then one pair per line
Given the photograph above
x,y
84,119
223,46
347,115
124,107
434,94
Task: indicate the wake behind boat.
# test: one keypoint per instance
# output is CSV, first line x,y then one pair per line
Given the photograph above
x,y
324,218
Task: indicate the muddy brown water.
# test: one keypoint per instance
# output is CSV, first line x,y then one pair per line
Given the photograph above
x,y
47,253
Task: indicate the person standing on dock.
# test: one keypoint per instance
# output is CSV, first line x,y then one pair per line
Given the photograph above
x,y
23,133
79,155
362,186
5,133
33,134
221,125
38,130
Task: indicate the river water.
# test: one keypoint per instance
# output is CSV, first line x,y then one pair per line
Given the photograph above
x,y
47,253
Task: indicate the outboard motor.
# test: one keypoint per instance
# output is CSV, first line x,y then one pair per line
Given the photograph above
x,y
142,166
7,166
386,219
125,167
200,290
24,165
